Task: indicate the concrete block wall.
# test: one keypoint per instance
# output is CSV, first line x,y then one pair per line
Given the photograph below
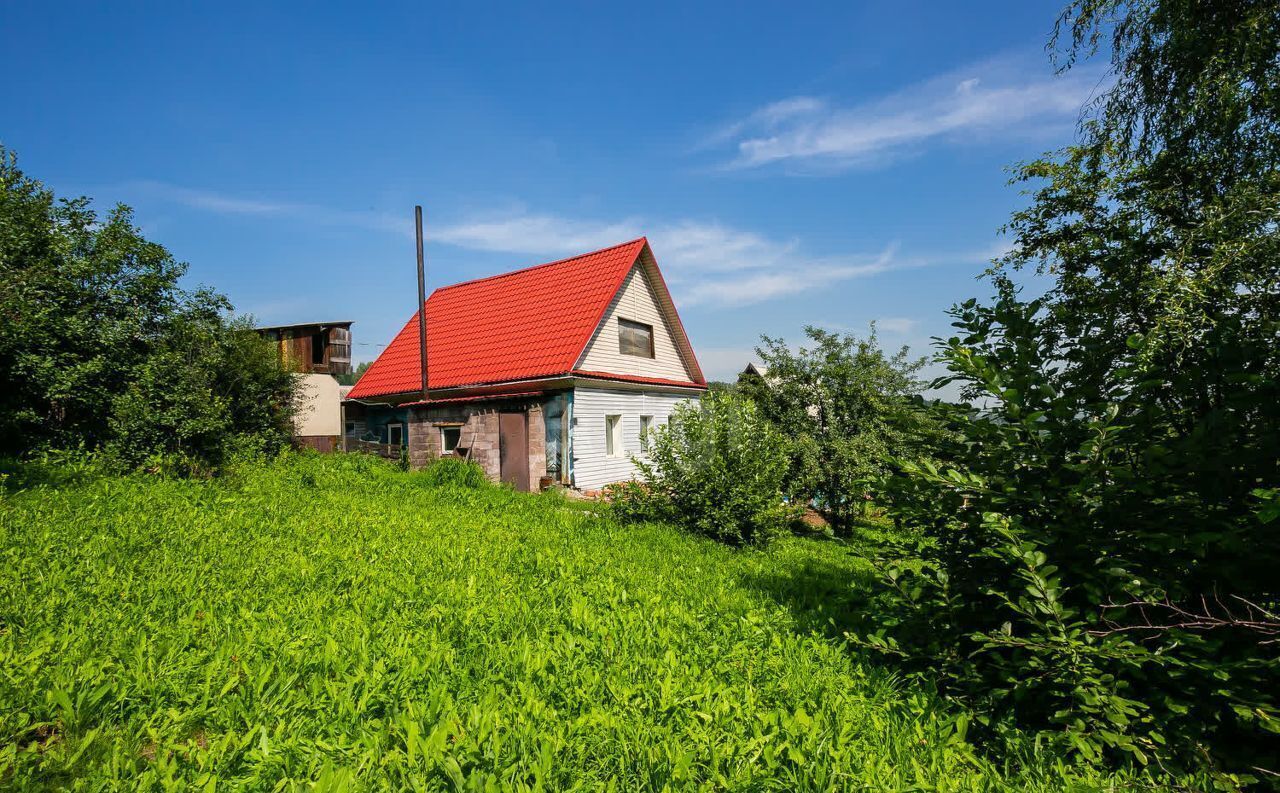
x,y
479,435
537,445
480,439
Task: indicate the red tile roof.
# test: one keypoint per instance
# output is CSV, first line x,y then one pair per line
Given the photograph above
x,y
520,325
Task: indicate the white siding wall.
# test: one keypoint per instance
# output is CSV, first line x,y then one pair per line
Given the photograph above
x,y
592,469
635,301
319,411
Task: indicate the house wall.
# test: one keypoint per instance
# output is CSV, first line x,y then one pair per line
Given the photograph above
x,y
370,421
319,411
480,438
592,469
635,301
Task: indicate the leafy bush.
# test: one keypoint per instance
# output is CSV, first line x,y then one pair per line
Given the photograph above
x,y
454,472
1062,540
103,349
1099,553
633,502
716,468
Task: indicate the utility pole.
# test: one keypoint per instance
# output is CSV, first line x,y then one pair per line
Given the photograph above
x,y
422,302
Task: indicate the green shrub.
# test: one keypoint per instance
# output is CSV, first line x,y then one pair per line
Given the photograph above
x,y
454,472
716,468
105,350
634,502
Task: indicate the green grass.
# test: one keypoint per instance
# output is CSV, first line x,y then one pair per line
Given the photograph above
x,y
336,623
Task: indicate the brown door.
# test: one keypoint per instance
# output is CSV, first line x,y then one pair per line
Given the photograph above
x,y
513,449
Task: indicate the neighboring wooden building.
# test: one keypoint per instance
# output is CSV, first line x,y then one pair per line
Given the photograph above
x,y
317,351
547,374
307,347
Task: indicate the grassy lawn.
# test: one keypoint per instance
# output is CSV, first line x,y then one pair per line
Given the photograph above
x,y
338,623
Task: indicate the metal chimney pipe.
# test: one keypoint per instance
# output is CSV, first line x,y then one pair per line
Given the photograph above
x,y
422,302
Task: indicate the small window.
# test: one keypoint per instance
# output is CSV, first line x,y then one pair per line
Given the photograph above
x,y
450,437
646,424
635,338
351,428
613,436
395,434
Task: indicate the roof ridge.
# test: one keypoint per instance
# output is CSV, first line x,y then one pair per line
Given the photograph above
x,y
539,266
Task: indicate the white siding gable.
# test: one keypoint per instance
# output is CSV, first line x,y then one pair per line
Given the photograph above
x,y
635,301
592,467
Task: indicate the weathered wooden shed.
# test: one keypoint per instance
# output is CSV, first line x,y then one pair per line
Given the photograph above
x,y
317,351
319,347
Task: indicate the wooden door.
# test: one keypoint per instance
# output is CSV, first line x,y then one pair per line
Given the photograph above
x,y
513,449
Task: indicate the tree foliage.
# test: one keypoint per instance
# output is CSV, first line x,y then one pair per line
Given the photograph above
x,y
103,348
716,468
1126,447
847,406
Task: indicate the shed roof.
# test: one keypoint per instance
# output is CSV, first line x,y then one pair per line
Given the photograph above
x,y
522,325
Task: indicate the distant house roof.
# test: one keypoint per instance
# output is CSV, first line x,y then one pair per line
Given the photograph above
x,y
342,323
522,325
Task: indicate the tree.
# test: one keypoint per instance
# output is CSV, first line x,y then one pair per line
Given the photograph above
x,y
103,348
350,379
847,407
1128,445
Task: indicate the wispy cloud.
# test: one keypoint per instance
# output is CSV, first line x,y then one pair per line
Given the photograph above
x,y
224,204
535,234
1001,99
705,263
897,325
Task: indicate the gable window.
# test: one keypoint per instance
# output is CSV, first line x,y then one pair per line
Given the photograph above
x,y
613,436
450,437
646,424
395,434
635,338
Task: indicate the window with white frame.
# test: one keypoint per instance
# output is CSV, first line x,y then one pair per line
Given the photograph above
x,y
646,424
450,437
395,434
613,436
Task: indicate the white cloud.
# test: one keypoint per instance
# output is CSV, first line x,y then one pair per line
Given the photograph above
x,y
997,99
535,234
223,204
792,276
897,325
705,263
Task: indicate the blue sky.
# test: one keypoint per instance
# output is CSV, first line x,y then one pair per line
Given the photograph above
x,y
790,163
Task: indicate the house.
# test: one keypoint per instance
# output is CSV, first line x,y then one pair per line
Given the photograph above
x,y
547,374
318,351
753,370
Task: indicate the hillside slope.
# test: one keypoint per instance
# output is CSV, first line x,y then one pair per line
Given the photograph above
x,y
335,620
